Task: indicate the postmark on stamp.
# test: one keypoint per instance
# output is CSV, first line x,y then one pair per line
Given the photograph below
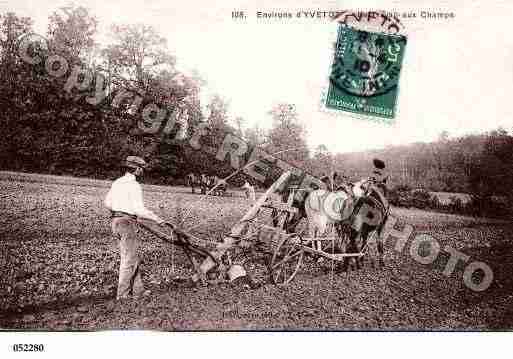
x,y
364,73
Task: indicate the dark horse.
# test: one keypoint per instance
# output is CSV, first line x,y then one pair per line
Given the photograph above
x,y
192,181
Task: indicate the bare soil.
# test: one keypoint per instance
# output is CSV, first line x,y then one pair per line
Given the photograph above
x,y
58,271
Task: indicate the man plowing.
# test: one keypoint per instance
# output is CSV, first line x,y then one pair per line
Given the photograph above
x,y
125,201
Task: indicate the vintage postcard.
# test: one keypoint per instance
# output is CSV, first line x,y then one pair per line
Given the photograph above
x,y
286,166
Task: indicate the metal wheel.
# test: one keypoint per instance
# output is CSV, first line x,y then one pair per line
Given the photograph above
x,y
287,259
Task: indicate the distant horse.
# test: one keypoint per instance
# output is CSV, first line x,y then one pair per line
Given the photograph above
x,y
204,181
212,181
212,185
192,181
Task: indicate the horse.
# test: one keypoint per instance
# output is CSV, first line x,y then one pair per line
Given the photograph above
x,y
191,181
357,219
212,181
209,183
370,216
204,183
357,213
325,209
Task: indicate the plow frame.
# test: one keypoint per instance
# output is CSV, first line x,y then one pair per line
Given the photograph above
x,y
284,249
182,239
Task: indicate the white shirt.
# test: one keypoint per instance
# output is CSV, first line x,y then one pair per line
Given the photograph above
x,y
125,195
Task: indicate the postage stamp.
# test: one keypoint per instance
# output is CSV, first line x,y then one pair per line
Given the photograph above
x,y
364,73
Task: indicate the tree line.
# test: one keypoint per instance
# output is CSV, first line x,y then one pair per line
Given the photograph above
x,y
51,128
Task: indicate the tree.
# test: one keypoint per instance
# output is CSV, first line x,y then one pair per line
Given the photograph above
x,y
71,32
16,95
218,113
12,28
138,53
322,161
287,137
139,61
493,173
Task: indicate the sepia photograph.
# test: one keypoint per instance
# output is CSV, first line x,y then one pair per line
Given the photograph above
x,y
290,166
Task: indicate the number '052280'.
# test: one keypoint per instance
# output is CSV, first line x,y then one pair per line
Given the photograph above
x,y
28,347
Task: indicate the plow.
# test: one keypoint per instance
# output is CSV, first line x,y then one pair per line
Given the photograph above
x,y
258,237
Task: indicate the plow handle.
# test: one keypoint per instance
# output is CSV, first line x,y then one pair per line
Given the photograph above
x,y
181,240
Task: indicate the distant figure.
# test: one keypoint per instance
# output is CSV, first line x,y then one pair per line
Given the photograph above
x,y
222,186
191,181
249,190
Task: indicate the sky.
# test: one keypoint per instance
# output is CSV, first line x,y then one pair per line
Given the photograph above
x,y
457,73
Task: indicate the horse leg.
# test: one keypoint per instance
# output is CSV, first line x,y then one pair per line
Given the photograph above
x,y
342,235
313,233
353,248
381,246
348,263
381,252
274,216
318,244
360,260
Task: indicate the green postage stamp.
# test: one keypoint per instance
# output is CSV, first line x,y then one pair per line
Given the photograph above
x,y
364,74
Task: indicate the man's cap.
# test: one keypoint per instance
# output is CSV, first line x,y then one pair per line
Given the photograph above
x,y
379,164
135,162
